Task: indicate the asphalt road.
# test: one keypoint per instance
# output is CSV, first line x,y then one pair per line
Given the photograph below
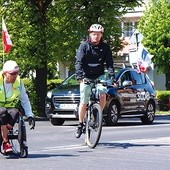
x,y
129,145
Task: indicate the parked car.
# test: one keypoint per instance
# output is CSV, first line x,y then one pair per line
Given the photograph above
x,y
134,96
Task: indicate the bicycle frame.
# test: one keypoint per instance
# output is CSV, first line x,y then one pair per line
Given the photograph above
x,y
93,117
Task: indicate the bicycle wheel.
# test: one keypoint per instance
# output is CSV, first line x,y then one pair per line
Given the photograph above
x,y
13,139
0,141
94,125
17,138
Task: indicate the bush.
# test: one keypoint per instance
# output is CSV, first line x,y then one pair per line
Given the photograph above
x,y
29,86
163,99
51,84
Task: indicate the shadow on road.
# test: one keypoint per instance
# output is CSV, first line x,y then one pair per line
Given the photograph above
x,y
40,156
159,119
128,145
50,155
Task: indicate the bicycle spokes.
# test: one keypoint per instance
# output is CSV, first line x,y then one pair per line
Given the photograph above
x,y
94,125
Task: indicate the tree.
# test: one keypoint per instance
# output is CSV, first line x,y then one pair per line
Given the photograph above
x,y
45,31
27,20
155,26
80,14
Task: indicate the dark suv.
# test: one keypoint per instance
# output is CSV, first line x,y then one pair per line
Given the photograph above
x,y
134,96
62,102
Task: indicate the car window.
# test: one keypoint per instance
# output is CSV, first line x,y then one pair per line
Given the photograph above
x,y
117,70
143,78
125,77
106,74
70,81
139,78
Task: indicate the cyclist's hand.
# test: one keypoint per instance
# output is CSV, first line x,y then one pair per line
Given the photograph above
x,y
31,122
114,82
80,80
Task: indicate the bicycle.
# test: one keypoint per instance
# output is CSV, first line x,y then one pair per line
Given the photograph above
x,y
94,116
17,138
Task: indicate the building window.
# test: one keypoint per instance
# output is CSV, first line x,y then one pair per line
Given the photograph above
x,y
128,28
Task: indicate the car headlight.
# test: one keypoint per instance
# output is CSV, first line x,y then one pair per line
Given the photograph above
x,y
49,94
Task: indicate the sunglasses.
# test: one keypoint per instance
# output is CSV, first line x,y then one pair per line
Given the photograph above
x,y
13,74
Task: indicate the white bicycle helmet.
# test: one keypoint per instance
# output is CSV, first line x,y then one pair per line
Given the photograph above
x,y
96,28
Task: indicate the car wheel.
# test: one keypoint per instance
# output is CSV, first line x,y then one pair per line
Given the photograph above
x,y
149,115
113,114
56,122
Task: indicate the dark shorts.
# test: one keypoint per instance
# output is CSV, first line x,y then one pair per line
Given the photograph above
x,y
8,116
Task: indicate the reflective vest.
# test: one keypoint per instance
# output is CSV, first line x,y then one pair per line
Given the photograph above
x,y
16,90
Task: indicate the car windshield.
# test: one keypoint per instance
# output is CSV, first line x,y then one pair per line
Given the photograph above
x,y
70,81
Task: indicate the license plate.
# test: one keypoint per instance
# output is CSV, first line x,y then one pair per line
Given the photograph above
x,y
68,106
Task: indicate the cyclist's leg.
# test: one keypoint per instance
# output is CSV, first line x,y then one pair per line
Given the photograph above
x,y
13,115
13,130
102,100
4,130
3,122
85,91
102,95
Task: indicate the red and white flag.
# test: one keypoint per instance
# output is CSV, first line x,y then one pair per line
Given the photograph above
x,y
144,59
6,40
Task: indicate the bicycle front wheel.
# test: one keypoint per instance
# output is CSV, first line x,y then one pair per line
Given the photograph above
x,y
94,125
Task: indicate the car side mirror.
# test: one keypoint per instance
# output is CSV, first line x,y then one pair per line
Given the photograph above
x,y
127,83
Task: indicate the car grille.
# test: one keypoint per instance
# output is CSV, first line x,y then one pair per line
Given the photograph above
x,y
66,100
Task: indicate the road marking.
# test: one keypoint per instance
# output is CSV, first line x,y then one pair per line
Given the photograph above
x,y
67,147
161,141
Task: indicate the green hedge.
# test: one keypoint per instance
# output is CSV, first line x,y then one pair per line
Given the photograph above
x,y
51,84
32,94
163,99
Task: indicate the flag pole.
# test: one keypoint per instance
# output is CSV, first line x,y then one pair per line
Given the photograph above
x,y
6,40
3,60
3,57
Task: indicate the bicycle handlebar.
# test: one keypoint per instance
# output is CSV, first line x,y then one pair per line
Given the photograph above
x,y
95,81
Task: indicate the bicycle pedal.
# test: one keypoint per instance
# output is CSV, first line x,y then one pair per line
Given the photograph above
x,y
84,129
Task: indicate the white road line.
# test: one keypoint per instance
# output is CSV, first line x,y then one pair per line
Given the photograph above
x,y
67,147
161,141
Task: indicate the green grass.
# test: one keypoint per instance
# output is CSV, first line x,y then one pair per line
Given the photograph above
x,y
163,112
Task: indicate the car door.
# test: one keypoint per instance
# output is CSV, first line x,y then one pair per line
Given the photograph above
x,y
127,92
140,87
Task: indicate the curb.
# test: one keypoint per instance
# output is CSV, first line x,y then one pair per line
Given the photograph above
x,y
41,119
36,118
47,119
